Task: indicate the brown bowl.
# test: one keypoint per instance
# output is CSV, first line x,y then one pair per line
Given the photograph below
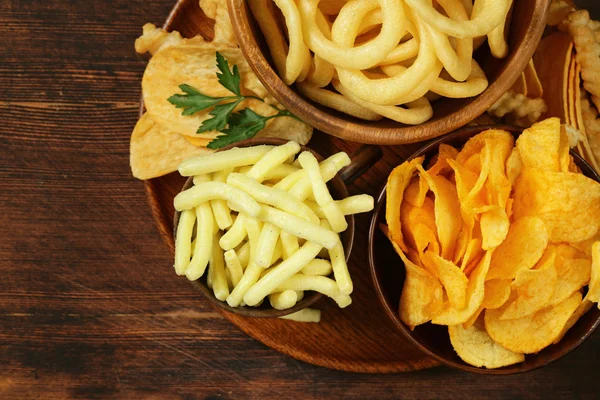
x,y
527,26
361,160
387,271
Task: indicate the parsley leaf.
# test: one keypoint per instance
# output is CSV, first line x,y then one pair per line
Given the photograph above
x,y
241,125
193,101
220,115
230,81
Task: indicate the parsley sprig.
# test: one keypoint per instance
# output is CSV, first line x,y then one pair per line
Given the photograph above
x,y
234,126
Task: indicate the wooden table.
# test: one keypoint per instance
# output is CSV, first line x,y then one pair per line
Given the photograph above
x,y
89,306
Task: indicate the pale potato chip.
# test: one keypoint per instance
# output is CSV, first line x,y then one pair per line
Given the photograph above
x,y
154,39
539,145
475,347
534,86
568,203
475,292
453,279
534,332
223,29
396,184
533,289
155,151
447,211
195,65
422,294
523,247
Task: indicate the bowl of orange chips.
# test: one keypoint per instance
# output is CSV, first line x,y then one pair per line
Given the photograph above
x,y
485,247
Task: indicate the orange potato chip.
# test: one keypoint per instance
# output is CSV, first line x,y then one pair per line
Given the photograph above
x,y
418,226
583,308
155,151
568,203
475,292
452,278
534,332
514,166
523,247
465,183
585,246
494,227
447,211
462,244
498,186
573,270
441,167
540,144
472,254
396,184
422,294
593,293
474,346
497,293
416,192
533,289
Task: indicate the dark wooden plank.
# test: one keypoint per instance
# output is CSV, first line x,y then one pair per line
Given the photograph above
x,y
89,307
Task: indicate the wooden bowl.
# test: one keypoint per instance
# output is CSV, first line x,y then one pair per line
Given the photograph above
x,y
361,160
387,271
527,26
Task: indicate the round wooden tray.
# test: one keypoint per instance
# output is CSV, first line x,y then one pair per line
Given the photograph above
x,y
360,338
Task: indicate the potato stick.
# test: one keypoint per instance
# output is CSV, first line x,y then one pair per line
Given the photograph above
x,y
200,179
220,209
219,281
197,195
305,315
253,227
209,277
266,244
204,242
320,284
183,243
340,268
283,300
277,253
272,159
235,157
243,254
296,164
234,267
193,247
317,267
302,190
229,281
329,168
276,174
271,196
333,213
235,235
281,273
289,244
299,227
249,278
350,205
300,295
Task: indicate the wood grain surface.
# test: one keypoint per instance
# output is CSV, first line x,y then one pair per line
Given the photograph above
x,y
89,307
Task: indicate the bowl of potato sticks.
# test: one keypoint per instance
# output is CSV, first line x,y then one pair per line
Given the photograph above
x,y
492,258
264,228
388,72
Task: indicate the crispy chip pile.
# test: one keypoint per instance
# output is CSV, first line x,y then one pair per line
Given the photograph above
x,y
500,240
164,137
